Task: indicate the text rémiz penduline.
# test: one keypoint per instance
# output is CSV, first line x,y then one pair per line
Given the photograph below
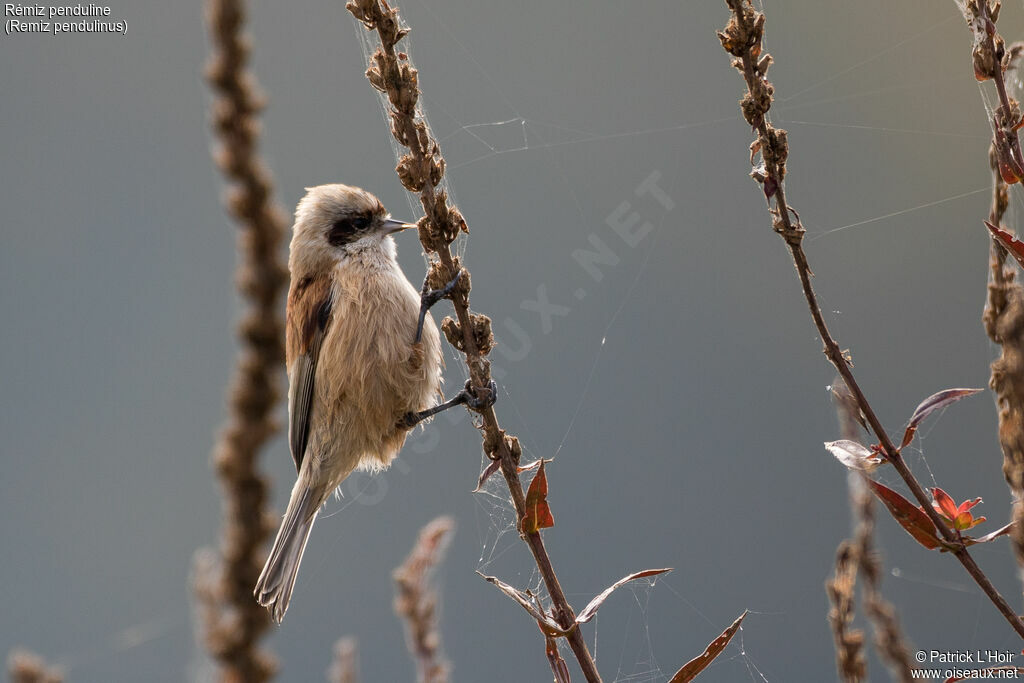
x,y
79,10
89,12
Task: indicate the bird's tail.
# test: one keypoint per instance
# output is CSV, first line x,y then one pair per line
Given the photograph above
x,y
274,587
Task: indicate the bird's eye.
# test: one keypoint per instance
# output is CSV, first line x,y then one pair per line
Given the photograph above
x,y
344,229
341,232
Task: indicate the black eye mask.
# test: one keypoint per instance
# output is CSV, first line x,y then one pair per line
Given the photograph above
x,y
346,229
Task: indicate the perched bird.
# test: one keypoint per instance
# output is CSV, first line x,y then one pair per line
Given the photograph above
x,y
363,359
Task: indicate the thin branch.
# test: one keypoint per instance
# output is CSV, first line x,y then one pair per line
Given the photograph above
x,y
421,170
416,599
233,622
742,39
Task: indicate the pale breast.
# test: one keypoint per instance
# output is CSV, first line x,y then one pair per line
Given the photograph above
x,y
369,374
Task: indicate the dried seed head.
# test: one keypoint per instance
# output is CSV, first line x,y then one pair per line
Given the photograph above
x,y
492,440
482,334
743,32
775,151
410,173
512,443
376,80
437,166
453,333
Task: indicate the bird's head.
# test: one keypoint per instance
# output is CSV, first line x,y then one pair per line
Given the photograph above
x,y
333,222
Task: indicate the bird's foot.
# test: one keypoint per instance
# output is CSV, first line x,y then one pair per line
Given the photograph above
x,y
467,396
429,297
479,403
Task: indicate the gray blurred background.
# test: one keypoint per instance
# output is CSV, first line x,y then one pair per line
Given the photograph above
x,y
684,393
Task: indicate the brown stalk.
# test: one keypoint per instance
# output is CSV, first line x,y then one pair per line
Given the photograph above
x,y
416,599
742,39
27,667
851,664
1004,308
889,638
421,170
233,622
345,665
855,557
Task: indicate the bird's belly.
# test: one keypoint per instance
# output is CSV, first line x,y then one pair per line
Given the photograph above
x,y
370,374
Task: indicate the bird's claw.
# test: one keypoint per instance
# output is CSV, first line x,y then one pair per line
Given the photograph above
x,y
429,297
480,403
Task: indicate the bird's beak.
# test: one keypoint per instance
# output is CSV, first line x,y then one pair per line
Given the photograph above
x,y
389,225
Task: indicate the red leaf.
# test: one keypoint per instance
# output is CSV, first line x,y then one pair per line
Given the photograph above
x,y
928,406
590,610
538,514
910,517
944,504
1008,242
701,662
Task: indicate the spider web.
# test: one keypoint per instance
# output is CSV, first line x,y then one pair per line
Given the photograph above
x,y
627,643
619,636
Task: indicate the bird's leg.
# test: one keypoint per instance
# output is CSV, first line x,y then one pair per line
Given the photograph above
x,y
429,297
467,396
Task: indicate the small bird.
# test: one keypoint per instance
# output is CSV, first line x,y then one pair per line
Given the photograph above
x,y
363,359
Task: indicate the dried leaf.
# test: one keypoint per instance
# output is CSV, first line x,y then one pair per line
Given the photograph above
x,y
989,536
1008,242
701,662
928,406
910,517
590,610
538,514
854,455
488,471
546,623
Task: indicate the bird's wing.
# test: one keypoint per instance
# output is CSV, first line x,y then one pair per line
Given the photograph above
x,y
309,313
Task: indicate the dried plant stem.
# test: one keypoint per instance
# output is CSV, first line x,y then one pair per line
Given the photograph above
x,y
851,664
742,39
421,170
233,621
889,638
1004,323
857,556
345,666
1004,308
416,599
27,667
